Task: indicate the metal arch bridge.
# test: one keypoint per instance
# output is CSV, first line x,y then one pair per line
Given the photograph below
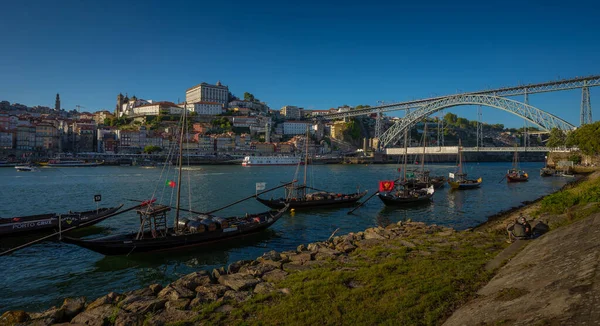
x,y
553,86
544,120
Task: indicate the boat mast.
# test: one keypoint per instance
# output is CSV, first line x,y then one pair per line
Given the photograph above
x,y
306,155
459,157
424,144
405,151
183,124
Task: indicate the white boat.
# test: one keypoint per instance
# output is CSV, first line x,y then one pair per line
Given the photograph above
x,y
270,160
71,163
26,168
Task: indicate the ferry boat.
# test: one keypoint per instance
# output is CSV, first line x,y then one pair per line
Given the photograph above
x,y
270,160
70,163
26,168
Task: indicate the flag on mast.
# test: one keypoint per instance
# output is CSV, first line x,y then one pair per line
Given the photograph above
x,y
260,186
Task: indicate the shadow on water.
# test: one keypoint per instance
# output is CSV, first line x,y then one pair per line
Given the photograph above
x,y
8,243
217,254
394,214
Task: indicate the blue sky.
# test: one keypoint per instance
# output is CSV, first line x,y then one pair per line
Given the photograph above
x,y
312,54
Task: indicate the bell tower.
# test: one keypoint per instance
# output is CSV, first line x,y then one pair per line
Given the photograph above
x,y
57,103
120,101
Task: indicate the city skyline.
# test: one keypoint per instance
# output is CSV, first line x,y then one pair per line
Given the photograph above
x,y
314,56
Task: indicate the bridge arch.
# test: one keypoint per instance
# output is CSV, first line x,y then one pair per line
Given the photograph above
x,y
542,119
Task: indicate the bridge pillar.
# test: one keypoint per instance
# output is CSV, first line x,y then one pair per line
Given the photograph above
x,y
586,106
479,128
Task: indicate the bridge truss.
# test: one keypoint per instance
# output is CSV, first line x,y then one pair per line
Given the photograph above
x,y
553,86
543,120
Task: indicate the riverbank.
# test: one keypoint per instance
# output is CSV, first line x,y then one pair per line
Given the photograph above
x,y
405,273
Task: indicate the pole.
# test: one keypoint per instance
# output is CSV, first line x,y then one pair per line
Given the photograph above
x,y
405,151
180,166
59,226
359,206
241,200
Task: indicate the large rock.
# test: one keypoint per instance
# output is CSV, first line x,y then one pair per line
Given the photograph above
x,y
295,267
211,292
175,292
256,270
171,316
72,306
237,296
97,316
238,282
301,258
345,246
155,288
52,315
326,253
179,304
112,297
368,243
264,288
373,233
131,319
275,275
271,255
193,280
143,305
235,266
217,272
14,317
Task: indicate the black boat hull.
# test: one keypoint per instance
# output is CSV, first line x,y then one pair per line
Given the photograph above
x,y
49,223
345,199
391,200
127,244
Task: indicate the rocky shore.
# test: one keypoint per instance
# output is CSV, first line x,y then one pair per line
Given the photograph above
x,y
238,282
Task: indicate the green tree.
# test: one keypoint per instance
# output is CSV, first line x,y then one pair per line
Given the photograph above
x,y
450,118
248,97
586,138
557,138
149,149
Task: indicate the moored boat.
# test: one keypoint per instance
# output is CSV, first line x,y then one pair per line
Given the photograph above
x,y
270,160
26,168
515,174
33,224
402,195
71,163
196,231
298,197
459,180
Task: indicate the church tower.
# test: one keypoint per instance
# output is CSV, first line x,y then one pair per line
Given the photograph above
x,y
120,101
57,103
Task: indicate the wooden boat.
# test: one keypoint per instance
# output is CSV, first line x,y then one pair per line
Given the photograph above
x,y
515,174
422,179
302,199
298,197
459,180
195,230
406,196
547,171
23,225
406,192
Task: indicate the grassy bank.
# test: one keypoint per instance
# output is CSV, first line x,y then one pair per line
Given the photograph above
x,y
417,280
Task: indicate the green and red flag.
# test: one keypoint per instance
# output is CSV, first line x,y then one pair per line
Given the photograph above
x,y
171,183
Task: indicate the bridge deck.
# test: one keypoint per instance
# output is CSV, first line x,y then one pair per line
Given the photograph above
x,y
440,150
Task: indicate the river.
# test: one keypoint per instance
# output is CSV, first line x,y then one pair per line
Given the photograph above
x,y
41,275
